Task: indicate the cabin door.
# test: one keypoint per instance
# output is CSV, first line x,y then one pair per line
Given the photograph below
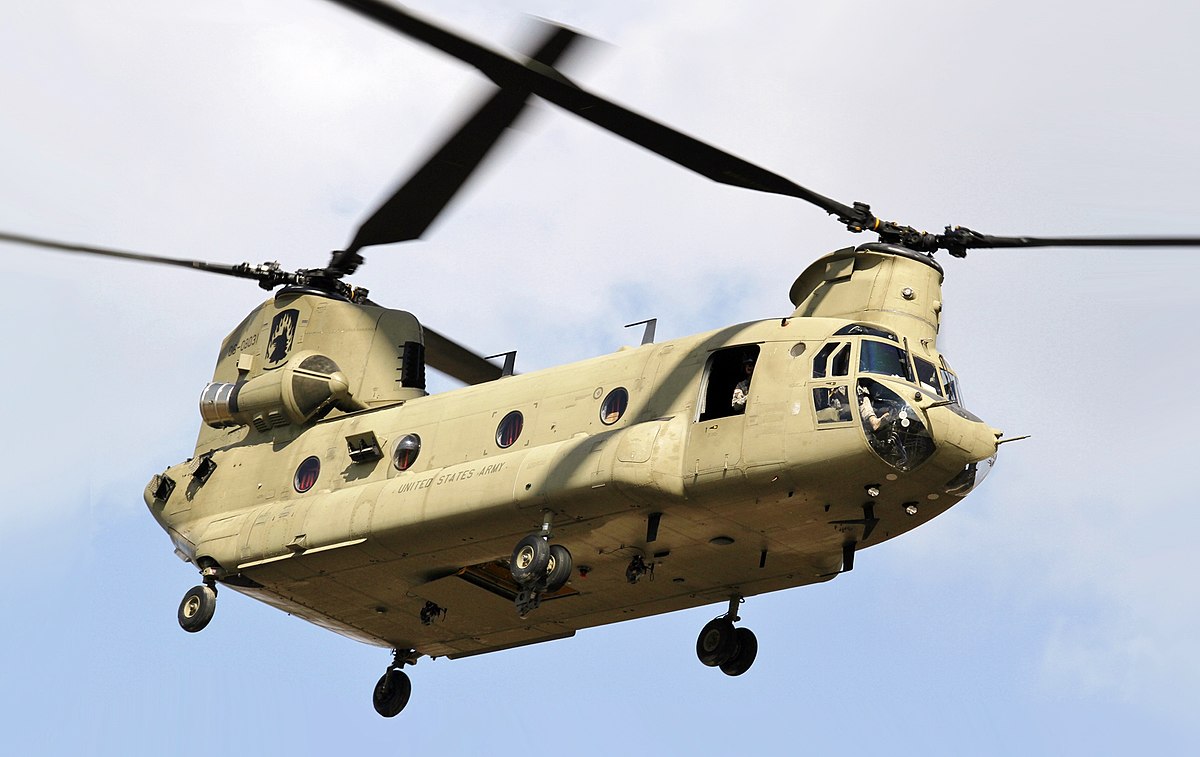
x,y
715,445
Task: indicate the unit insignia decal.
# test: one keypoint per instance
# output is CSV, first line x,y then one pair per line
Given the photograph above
x,y
283,332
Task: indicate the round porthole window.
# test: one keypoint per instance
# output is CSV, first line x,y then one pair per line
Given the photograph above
x,y
406,451
613,406
509,429
306,474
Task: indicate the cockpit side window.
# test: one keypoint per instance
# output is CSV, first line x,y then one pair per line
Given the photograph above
x,y
821,360
841,362
951,382
832,404
884,359
927,376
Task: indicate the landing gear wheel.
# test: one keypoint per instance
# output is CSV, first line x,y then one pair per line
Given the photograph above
x,y
529,559
744,654
392,693
717,642
197,608
558,570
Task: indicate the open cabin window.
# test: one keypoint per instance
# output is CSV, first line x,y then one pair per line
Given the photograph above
x,y
726,369
832,404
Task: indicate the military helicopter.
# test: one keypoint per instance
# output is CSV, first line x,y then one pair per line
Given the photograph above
x,y
440,505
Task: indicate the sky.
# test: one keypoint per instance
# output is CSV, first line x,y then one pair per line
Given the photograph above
x,y
1052,612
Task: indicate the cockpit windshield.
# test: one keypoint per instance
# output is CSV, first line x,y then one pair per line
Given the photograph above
x,y
884,359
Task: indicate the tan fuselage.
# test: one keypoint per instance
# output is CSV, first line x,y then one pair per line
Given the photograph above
x,y
740,503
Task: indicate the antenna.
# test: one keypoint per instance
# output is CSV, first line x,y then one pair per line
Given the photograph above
x,y
510,361
648,334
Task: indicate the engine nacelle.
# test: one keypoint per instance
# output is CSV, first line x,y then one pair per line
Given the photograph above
x,y
309,385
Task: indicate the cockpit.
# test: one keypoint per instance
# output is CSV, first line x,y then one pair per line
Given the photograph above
x,y
894,428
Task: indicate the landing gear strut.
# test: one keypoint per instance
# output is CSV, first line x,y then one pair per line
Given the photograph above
x,y
538,567
394,687
721,645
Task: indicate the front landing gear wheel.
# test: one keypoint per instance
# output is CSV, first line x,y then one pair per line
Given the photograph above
x,y
392,693
197,608
717,642
744,654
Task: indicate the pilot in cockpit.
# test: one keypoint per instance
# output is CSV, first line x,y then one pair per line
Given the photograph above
x,y
867,410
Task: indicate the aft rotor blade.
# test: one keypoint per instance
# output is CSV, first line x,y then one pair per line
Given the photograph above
x,y
241,271
689,152
457,361
416,203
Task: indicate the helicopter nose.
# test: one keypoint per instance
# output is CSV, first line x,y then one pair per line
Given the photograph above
x,y
969,436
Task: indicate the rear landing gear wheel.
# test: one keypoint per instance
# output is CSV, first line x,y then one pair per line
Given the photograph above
x,y
538,568
744,653
392,693
529,559
716,642
558,570
197,608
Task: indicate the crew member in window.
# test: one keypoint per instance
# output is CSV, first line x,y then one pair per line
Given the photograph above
x,y
839,403
867,410
742,390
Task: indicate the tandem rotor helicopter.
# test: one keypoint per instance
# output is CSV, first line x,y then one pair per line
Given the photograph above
x,y
522,508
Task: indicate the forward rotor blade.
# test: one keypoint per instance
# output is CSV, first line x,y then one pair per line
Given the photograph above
x,y
987,240
241,271
689,152
957,240
457,361
416,203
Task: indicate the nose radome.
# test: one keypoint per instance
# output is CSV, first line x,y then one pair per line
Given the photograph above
x,y
975,439
978,440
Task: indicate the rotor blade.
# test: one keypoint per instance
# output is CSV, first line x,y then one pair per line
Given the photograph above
x,y
958,239
457,361
987,240
241,271
689,152
416,203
